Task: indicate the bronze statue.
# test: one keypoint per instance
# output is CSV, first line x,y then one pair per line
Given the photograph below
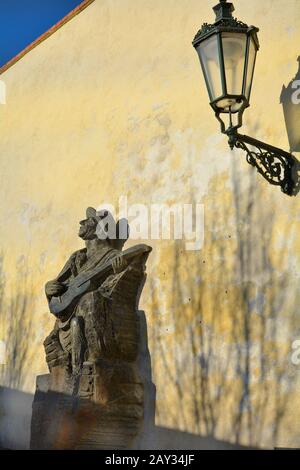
x,y
92,352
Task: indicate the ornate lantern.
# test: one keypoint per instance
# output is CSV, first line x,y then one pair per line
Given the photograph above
x,y
227,51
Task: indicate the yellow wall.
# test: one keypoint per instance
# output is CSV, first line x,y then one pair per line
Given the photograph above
x,y
114,104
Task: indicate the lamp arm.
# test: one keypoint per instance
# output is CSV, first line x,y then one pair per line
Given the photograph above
x,y
274,164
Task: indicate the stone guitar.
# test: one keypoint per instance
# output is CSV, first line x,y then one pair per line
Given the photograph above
x,y
82,283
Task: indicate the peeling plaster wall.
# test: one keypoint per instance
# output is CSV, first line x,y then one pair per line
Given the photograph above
x,y
114,104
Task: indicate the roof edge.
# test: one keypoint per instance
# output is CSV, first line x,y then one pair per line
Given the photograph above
x,y
46,35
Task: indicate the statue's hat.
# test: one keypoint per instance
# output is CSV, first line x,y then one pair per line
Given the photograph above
x,y
105,216
92,213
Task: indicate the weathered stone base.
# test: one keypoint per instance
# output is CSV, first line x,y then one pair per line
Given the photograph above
x,y
109,405
104,411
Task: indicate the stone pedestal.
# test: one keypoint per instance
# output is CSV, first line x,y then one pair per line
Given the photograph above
x,y
109,405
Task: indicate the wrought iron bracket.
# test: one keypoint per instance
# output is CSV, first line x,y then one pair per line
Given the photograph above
x,y
275,165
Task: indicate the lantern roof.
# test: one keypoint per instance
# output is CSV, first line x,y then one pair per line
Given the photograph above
x,y
224,22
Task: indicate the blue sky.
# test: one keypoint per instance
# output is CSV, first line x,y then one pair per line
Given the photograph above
x,y
23,21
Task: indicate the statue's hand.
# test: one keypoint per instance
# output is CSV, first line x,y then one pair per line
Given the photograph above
x,y
119,264
54,288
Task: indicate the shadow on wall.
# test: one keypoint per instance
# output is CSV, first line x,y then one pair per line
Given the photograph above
x,y
220,352
15,422
16,325
290,100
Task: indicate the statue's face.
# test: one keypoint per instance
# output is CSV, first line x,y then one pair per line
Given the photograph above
x,y
87,229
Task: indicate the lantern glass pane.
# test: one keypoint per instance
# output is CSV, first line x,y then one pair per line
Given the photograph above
x,y
208,52
250,68
234,52
229,103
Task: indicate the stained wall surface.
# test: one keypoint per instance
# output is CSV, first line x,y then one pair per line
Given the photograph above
x,y
114,105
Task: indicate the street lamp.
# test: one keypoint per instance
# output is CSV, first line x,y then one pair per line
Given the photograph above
x,y
227,51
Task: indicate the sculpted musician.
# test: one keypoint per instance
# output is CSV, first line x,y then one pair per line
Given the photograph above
x,y
94,298
94,396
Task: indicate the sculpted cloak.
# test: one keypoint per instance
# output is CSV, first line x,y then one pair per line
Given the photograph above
x,y
92,313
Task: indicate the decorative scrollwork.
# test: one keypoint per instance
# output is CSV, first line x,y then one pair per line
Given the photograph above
x,y
224,23
275,165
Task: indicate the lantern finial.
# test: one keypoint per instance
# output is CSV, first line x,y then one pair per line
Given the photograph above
x,y
223,10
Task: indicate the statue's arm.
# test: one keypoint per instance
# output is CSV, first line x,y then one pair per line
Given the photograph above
x,y
66,271
56,286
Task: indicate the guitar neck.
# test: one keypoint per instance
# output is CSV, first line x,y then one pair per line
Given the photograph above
x,y
107,267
